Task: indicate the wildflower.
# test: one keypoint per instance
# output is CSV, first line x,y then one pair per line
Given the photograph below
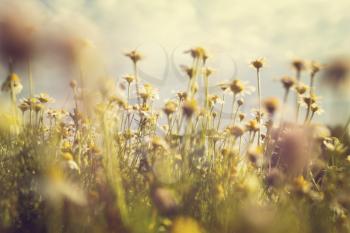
x,y
298,65
252,125
271,105
237,86
189,107
198,53
189,71
44,98
148,92
315,108
69,163
224,86
240,102
13,84
38,107
288,82
134,55
301,88
301,185
207,71
236,130
315,67
258,63
66,148
309,100
170,107
129,78
213,99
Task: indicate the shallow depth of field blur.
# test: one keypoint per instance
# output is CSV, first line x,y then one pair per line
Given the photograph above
x,y
183,117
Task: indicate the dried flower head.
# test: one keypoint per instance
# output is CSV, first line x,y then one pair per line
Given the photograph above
x,y
288,82
258,63
134,55
271,104
252,125
315,67
170,107
298,65
182,95
198,53
301,88
188,70
237,86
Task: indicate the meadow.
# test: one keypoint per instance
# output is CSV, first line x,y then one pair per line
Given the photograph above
x,y
114,162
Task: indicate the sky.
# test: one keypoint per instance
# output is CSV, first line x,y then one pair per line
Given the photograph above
x,y
234,32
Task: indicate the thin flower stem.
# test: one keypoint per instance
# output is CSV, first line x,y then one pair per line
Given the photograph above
x,y
220,114
259,99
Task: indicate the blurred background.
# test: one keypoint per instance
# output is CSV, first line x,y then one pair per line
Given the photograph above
x,y
233,32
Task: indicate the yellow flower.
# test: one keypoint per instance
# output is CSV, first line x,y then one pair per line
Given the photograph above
x,y
185,225
12,82
44,98
189,71
301,185
252,125
301,88
315,67
189,107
